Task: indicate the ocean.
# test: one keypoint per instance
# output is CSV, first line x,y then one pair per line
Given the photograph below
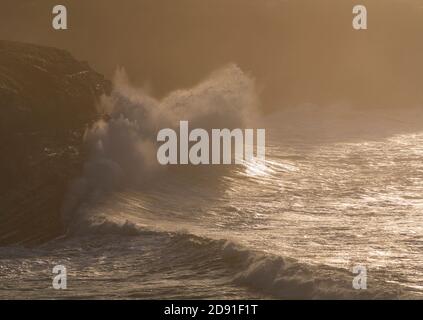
x,y
333,195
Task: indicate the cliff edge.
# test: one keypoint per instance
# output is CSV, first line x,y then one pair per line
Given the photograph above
x,y
47,99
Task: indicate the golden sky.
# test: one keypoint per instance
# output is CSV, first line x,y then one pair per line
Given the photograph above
x,y
299,51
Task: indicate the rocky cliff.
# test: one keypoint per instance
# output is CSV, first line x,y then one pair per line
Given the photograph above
x,y
47,98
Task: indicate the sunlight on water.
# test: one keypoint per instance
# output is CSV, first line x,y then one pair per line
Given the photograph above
x,y
327,204
257,167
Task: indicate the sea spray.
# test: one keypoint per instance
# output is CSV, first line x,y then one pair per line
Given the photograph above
x,y
123,143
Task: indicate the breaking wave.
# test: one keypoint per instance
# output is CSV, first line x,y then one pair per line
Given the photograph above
x,y
123,155
123,144
271,275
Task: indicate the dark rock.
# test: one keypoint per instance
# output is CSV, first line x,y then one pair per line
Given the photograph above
x,y
47,99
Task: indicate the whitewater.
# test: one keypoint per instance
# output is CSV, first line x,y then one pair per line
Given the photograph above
x,y
340,188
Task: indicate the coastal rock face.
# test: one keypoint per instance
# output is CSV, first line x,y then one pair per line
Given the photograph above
x,y
47,99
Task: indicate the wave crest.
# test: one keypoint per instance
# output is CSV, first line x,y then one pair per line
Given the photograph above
x,y
123,144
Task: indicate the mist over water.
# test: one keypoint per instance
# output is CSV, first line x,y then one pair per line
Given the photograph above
x,y
123,147
300,51
343,181
340,188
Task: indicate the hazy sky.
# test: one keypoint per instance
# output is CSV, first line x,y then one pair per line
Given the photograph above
x,y
300,51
